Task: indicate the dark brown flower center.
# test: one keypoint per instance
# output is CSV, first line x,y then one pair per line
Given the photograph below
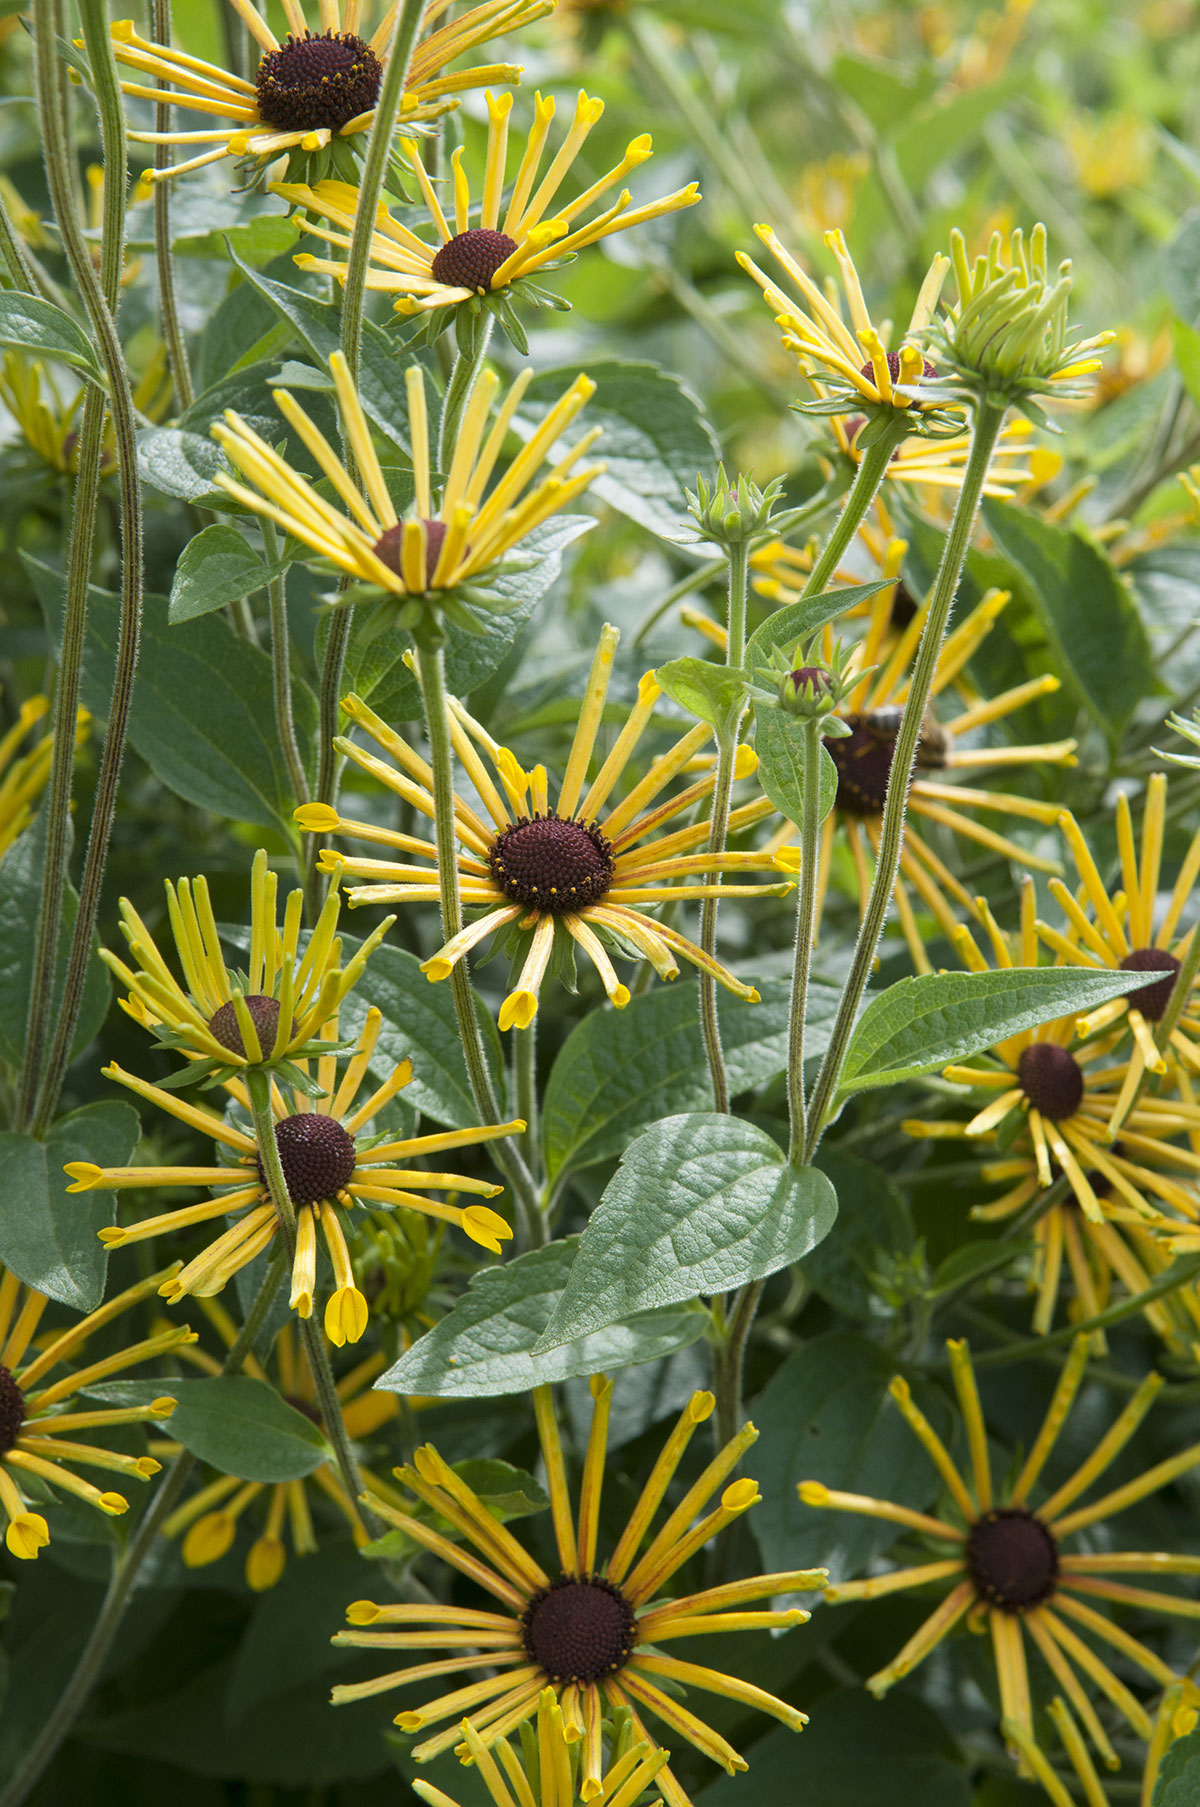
x,y
316,1154
1151,1000
893,364
264,1014
313,82
816,675
903,606
469,260
579,1630
12,1411
863,758
1012,1558
389,549
551,864
1051,1079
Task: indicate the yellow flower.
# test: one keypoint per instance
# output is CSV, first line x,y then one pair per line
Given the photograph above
x,y
314,87
484,258
1125,1195
329,1160
437,547
1005,1566
216,1018
549,1770
580,864
208,1522
863,761
590,1633
23,776
1116,930
1175,1718
854,355
37,1435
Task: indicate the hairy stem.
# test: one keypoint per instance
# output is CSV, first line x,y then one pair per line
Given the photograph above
x,y
806,911
727,741
127,1568
985,429
431,674
177,357
98,294
474,336
867,478
281,667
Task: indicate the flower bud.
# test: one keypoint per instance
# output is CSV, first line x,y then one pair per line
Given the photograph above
x,y
731,514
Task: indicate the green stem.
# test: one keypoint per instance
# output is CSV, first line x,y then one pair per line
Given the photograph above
x,y
258,1085
1180,1273
177,357
281,667
729,1360
391,91
718,832
1181,991
867,478
99,296
474,333
16,260
986,427
126,1570
806,912
431,675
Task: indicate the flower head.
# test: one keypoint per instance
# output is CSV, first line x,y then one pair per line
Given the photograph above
x,y
1007,335
1117,930
488,249
315,89
37,1425
438,547
23,776
1006,1567
549,1769
330,1161
1059,1094
589,1632
223,1021
208,1523
849,362
570,873
863,762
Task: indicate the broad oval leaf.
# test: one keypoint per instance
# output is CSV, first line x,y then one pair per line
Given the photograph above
x,y
1089,614
799,619
1178,1782
34,326
242,1426
782,747
48,1237
216,567
618,1071
922,1023
700,1204
485,1344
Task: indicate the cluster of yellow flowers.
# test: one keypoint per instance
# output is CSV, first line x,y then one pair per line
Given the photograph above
x,y
1098,1116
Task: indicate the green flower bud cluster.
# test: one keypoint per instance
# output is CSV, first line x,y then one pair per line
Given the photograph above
x,y
731,514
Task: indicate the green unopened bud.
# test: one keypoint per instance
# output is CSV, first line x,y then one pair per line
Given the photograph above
x,y
804,685
731,514
1007,338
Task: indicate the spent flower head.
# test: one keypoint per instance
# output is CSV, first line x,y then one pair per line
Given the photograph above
x,y
1007,337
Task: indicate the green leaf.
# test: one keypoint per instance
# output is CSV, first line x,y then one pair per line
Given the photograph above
x,y
506,1491
419,1022
781,743
33,326
711,692
1094,629
21,875
184,466
203,715
217,567
49,1236
617,1072
857,1752
317,324
656,436
485,1344
700,1204
1181,268
375,665
922,1023
1187,357
242,1426
1178,1782
826,1415
800,619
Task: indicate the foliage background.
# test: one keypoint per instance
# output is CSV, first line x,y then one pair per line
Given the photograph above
x,y
893,122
